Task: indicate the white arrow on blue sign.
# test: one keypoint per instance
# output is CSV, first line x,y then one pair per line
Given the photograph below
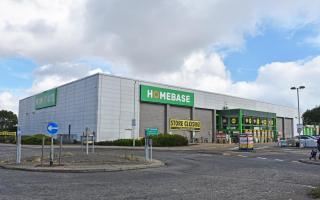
x,y
52,128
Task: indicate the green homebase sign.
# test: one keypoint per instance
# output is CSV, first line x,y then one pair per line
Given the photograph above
x,y
46,99
166,96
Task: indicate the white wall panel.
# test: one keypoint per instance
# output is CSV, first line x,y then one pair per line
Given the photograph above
x,y
76,105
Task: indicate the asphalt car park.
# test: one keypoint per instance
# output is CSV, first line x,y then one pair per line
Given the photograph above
x,y
187,175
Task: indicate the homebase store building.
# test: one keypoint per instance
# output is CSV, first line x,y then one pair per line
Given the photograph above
x,y
116,108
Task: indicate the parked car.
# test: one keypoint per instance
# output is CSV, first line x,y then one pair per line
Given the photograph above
x,y
316,137
306,141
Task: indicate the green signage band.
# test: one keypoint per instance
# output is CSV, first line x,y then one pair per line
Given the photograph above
x,y
166,96
46,99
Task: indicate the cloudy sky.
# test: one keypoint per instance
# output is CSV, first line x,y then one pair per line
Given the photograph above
x,y
251,49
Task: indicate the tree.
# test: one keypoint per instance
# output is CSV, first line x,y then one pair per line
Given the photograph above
x,y
311,116
8,121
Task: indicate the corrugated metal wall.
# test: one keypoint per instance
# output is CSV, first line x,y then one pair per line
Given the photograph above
x,y
288,128
152,116
116,108
205,116
176,112
280,126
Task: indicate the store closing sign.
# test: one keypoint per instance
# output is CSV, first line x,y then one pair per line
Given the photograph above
x,y
179,124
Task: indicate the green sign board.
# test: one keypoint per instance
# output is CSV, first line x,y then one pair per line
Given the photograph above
x,y
166,96
151,131
46,99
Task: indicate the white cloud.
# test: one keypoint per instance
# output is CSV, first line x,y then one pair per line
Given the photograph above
x,y
50,76
8,102
208,72
145,36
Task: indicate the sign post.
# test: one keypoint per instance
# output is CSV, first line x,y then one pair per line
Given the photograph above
x,y
148,142
52,130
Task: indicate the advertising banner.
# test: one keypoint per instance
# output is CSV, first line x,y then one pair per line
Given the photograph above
x,y
179,124
46,99
166,96
247,120
234,120
245,141
6,133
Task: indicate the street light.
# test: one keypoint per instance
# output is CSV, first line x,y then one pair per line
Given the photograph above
x,y
299,118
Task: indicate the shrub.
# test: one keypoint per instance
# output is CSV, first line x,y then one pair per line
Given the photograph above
x,y
36,139
315,193
162,140
121,142
166,140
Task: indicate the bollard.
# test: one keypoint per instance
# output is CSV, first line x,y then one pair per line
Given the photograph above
x,y
60,150
42,149
51,152
18,153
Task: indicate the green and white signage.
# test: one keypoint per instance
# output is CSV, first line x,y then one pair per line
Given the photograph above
x,y
46,99
166,96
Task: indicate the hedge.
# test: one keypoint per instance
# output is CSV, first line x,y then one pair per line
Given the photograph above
x,y
121,142
162,140
167,140
36,139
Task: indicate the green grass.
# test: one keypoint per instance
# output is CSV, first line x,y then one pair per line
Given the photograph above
x,y
315,193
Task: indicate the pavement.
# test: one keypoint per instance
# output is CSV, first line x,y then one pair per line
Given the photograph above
x,y
267,173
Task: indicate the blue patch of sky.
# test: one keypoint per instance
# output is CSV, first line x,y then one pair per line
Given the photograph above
x,y
16,73
272,45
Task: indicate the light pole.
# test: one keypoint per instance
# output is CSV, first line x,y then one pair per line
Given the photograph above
x,y
298,98
133,123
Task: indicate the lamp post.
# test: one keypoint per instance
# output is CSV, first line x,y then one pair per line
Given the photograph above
x,y
298,98
133,123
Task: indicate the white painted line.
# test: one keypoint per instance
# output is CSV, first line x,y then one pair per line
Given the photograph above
x,y
242,156
263,147
234,148
262,158
294,161
279,160
308,186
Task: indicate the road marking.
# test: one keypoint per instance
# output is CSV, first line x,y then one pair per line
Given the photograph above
x,y
234,148
262,158
279,160
243,156
294,161
263,147
309,186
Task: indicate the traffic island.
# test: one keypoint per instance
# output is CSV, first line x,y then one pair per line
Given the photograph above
x,y
77,162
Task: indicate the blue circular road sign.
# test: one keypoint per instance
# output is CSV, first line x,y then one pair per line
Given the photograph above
x,y
52,128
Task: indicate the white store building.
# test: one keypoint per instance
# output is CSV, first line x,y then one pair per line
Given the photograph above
x,y
117,107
